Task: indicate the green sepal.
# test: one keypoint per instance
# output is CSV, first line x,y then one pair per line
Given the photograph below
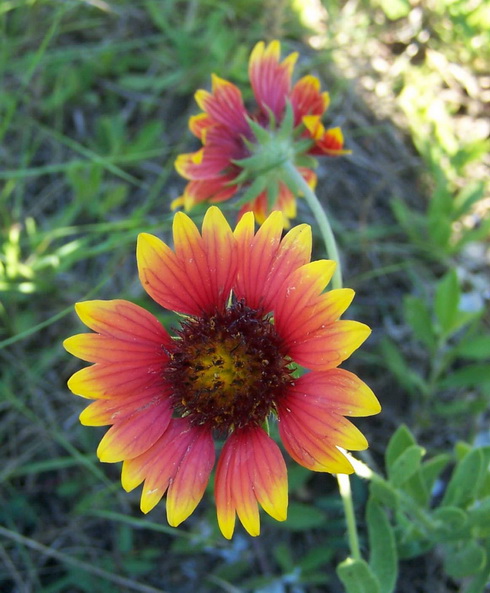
x,y
272,193
262,135
305,160
253,190
285,131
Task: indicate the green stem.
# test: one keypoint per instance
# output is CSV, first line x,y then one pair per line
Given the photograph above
x,y
350,518
297,181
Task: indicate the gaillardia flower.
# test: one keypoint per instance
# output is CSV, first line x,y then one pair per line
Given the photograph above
x,y
247,151
253,311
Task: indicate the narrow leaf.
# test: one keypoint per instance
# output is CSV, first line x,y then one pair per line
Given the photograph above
x,y
447,299
406,465
383,558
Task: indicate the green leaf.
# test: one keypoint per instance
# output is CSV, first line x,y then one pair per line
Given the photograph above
x,y
471,193
482,578
479,517
451,521
418,317
401,439
464,559
463,487
383,558
473,375
302,517
357,577
283,556
405,465
476,348
447,299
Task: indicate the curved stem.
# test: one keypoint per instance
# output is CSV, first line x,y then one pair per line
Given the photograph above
x,y
350,518
300,184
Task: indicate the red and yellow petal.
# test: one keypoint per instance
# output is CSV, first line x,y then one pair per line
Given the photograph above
x,y
339,391
286,203
264,260
301,309
122,320
206,162
328,347
306,98
224,105
199,123
198,276
180,462
311,422
135,434
330,142
313,413
104,349
250,471
310,449
104,381
270,78
108,411
213,190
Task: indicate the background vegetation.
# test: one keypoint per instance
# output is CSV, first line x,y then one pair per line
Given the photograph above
x,y
94,101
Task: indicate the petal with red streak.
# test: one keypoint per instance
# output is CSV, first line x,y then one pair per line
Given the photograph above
x,y
104,381
135,434
198,124
213,190
250,470
180,461
109,411
308,448
329,346
264,260
196,278
301,309
306,98
270,78
339,391
122,320
224,104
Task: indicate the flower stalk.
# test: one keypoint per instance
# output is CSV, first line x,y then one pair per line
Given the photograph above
x,y
298,181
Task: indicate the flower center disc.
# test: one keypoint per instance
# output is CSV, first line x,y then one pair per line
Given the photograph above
x,y
227,369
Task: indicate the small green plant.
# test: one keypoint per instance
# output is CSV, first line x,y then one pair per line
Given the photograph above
x,y
453,346
412,511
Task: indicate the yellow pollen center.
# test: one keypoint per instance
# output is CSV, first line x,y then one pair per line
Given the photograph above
x,y
227,370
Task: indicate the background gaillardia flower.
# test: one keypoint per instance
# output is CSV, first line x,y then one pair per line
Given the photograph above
x,y
254,309
247,151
